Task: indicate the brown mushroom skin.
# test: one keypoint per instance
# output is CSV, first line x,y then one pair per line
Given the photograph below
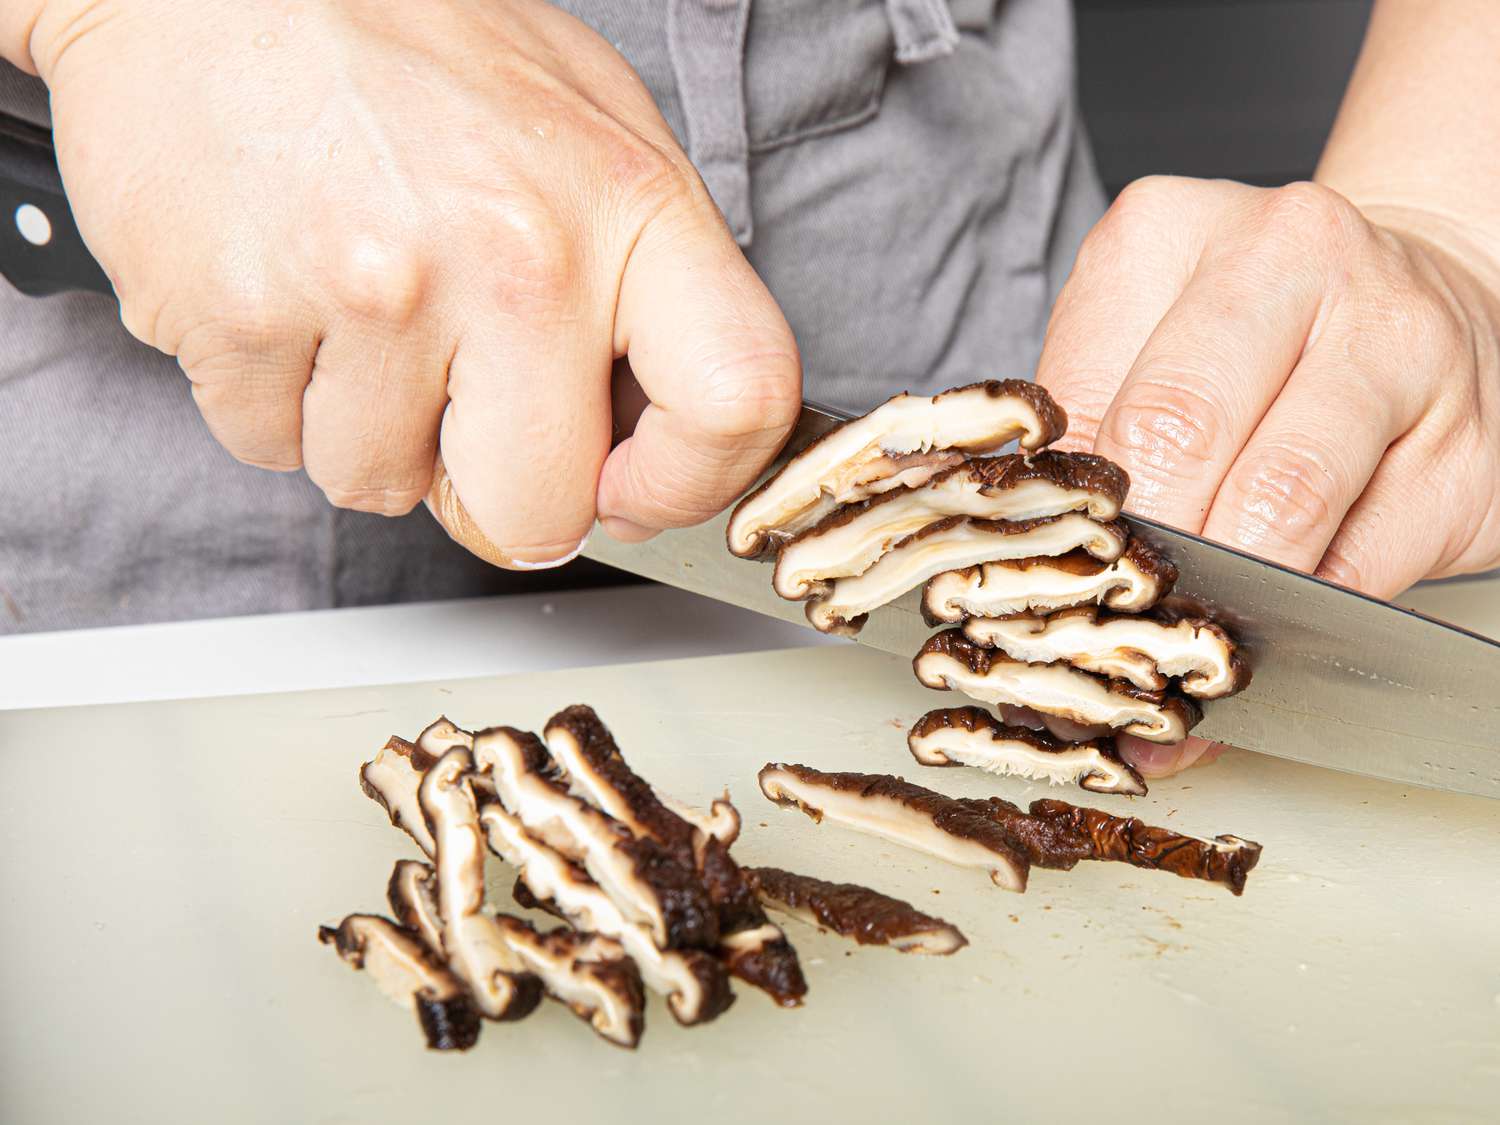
x,y
771,966
850,910
449,1022
1224,859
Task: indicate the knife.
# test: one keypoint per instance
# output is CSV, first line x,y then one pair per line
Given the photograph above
x,y
41,251
1340,679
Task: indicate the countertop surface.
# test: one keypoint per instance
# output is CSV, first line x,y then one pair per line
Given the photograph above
x,y
168,863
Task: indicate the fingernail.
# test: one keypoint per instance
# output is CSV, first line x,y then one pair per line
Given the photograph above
x,y
1151,760
548,564
625,531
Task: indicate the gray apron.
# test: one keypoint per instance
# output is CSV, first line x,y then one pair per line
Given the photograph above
x,y
909,177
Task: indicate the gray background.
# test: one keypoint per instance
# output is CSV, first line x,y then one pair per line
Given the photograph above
x,y
1244,89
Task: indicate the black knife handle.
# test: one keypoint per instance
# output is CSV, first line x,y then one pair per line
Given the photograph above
x,y
41,251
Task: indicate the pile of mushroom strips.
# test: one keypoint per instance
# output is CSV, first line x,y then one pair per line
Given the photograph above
x,y
1054,614
648,892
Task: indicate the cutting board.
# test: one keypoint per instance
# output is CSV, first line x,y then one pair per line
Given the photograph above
x,y
166,867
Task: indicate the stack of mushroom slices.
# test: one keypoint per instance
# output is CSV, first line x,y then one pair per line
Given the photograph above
x,y
650,897
1055,606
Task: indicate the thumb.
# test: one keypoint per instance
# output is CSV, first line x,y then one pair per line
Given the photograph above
x,y
718,364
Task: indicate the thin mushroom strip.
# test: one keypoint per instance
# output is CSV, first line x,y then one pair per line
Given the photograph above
x,y
401,967
904,441
950,661
971,736
856,912
1058,835
849,541
1134,582
650,884
956,542
589,974
1143,651
502,986
391,778
755,950
412,893
894,809
694,982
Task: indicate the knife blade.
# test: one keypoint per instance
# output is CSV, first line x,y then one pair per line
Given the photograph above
x,y
1340,680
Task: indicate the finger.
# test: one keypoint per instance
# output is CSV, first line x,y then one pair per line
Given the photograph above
x,y
1129,270
1311,457
1153,760
527,425
1392,537
370,419
1205,378
714,354
248,386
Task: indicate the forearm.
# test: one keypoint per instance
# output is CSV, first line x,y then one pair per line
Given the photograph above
x,y
1413,138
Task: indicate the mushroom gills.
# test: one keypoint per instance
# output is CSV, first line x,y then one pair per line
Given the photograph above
x,y
849,541
905,814
950,661
903,442
395,959
971,736
1134,582
1146,652
853,911
956,542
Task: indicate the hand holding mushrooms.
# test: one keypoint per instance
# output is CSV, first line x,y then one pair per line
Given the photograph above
x,y
404,255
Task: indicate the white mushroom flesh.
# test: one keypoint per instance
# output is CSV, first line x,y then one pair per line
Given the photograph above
x,y
997,589
963,544
1053,689
1082,764
392,779
562,960
892,820
852,547
477,951
911,436
568,824
551,878
1145,652
394,960
412,894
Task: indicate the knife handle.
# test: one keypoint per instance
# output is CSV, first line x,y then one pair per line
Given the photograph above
x,y
41,251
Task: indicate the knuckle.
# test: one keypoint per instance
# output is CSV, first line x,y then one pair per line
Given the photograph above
x,y
1134,217
1340,564
1310,213
751,393
1287,490
534,261
374,279
1171,425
